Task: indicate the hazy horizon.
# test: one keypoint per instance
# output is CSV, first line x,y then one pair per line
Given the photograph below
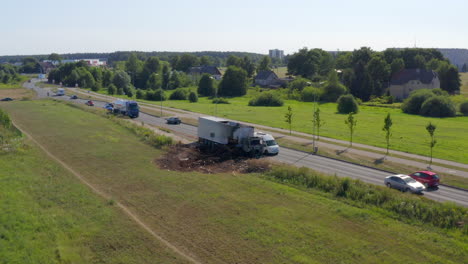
x,y
243,26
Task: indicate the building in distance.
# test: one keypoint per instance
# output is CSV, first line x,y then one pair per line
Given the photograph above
x,y
276,54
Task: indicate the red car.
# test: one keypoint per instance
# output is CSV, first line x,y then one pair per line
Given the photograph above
x,y
428,178
90,103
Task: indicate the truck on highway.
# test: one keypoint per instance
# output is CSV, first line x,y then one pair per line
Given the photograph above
x,y
60,92
215,132
125,107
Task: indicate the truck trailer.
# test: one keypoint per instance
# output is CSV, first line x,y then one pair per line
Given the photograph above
x,y
215,132
125,107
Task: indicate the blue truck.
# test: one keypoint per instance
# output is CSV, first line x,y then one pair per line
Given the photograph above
x,y
125,107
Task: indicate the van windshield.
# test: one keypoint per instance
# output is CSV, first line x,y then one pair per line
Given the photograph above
x,y
270,143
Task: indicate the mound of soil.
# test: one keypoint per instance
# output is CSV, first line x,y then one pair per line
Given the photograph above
x,y
190,158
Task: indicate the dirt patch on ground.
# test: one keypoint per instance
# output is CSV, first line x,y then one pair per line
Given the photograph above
x,y
190,158
17,94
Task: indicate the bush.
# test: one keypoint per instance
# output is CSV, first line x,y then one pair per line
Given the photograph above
x,y
130,93
193,97
266,99
140,94
156,95
412,104
438,106
464,108
111,89
404,207
179,94
311,94
5,120
299,84
347,104
220,100
333,91
206,86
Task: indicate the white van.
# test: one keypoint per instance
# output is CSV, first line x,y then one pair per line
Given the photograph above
x,y
60,92
270,145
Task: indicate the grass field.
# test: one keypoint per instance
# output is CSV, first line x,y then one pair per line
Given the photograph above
x,y
48,216
219,218
15,84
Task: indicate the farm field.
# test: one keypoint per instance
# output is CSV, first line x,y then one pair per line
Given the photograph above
x,y
216,217
464,84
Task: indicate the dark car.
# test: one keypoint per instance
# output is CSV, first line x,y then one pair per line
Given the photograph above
x,y
89,103
427,178
173,120
73,97
109,107
6,99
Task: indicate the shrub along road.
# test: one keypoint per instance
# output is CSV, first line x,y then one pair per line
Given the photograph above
x,y
298,158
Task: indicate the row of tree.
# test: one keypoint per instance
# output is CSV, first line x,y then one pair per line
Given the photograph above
x,y
367,73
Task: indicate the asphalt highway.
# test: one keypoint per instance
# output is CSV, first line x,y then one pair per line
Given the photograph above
x,y
297,158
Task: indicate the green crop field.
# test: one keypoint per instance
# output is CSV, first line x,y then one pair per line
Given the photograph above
x,y
464,83
218,218
409,133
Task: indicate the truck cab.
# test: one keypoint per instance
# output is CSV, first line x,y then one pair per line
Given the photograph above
x,y
269,142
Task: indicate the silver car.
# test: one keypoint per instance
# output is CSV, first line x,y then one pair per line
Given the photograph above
x,y
404,183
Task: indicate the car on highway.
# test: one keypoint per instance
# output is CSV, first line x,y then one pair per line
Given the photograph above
x,y
173,120
427,178
73,97
6,99
109,107
89,103
404,183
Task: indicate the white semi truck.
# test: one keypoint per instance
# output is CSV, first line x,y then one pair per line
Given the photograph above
x,y
214,132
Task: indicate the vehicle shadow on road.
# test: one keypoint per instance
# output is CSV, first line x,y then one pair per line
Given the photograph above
x,y
339,152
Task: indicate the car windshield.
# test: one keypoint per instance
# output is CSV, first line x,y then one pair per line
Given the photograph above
x,y
435,176
133,106
270,143
409,180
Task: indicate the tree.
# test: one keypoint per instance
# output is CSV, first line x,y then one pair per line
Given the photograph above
x,y
154,82
174,80
206,86
121,80
288,118
464,68
133,67
351,123
431,130
234,82
193,97
397,65
318,122
205,60
464,108
449,78
387,128
140,94
55,57
347,104
334,89
304,62
233,60
265,64
186,62
379,71
165,77
248,66
111,89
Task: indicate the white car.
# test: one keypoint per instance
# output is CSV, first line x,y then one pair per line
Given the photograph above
x,y
404,183
271,147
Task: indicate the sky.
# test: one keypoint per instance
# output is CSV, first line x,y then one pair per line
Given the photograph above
x,y
63,26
